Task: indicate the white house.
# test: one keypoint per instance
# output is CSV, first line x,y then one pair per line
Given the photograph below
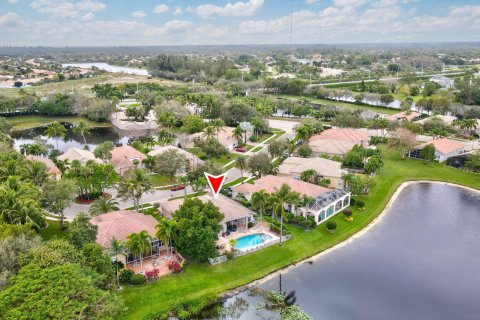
x,y
443,81
444,149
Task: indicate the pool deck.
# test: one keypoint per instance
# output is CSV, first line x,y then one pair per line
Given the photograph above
x,y
260,227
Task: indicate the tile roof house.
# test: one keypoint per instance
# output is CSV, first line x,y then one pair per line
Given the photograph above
x,y
193,160
124,158
120,224
337,141
403,116
225,137
447,119
328,169
78,154
444,149
234,213
52,169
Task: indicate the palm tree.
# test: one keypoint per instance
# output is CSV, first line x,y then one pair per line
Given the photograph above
x,y
281,198
36,172
208,132
304,132
103,205
241,163
116,247
82,128
149,141
165,231
238,133
308,175
218,125
138,244
260,202
56,130
258,125
133,185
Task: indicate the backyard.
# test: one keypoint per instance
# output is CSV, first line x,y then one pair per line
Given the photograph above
x,y
199,281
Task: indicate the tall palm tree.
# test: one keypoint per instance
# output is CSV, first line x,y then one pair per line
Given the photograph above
x,y
208,132
238,133
282,198
138,244
260,202
303,131
218,125
116,247
36,172
103,205
133,185
56,130
165,231
241,163
82,128
308,175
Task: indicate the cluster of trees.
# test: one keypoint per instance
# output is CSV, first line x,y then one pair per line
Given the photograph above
x,y
362,158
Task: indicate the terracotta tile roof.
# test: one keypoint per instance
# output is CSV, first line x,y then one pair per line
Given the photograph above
x,y
404,116
120,224
343,134
122,157
324,167
444,145
231,209
328,146
274,183
51,167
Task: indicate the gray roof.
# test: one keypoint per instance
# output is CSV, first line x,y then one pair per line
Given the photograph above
x,y
326,199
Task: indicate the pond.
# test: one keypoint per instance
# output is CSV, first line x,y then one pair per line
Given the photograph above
x,y
421,261
108,67
96,136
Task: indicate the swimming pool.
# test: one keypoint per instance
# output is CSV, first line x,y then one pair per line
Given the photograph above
x,y
251,240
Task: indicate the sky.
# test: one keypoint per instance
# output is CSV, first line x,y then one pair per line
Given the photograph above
x,y
197,22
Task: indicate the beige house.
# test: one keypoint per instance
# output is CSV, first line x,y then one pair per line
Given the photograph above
x,y
126,158
444,149
234,213
337,142
403,116
327,169
81,155
225,137
52,169
193,160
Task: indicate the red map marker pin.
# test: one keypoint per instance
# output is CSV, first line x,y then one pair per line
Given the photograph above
x,y
215,182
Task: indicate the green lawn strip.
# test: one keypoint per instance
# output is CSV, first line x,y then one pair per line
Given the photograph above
x,y
159,180
28,122
346,105
225,159
264,137
234,182
256,149
52,231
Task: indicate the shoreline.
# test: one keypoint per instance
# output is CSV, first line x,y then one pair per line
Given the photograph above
x,y
339,245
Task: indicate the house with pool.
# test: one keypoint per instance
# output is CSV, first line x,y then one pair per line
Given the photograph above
x,y
327,202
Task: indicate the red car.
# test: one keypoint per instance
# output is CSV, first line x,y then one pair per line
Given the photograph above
x,y
178,187
241,149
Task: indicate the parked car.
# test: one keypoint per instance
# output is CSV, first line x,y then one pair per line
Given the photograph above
x,y
177,187
240,149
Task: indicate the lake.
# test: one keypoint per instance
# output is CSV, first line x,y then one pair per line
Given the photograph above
x,y
421,261
96,136
108,67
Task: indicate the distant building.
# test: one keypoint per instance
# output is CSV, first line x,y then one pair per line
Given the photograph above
x,y
447,119
225,137
126,158
443,81
327,169
337,142
81,155
193,160
403,116
444,149
52,169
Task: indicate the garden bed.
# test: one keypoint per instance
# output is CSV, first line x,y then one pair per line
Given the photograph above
x,y
82,200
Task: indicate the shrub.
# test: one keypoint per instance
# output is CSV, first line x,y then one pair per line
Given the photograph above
x,y
304,151
359,204
126,276
253,138
347,213
375,140
137,279
152,274
251,225
352,201
331,225
120,265
174,266
230,255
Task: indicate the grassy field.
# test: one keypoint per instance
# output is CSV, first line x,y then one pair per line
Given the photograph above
x,y
203,280
159,180
345,105
27,122
52,231
84,85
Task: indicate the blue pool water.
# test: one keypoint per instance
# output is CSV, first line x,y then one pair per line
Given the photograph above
x,y
251,240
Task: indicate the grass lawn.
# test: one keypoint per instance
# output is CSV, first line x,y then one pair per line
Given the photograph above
x,y
401,96
234,182
200,280
28,122
52,231
159,180
345,105
256,149
225,159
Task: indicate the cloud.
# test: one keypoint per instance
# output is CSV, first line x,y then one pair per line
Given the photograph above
x,y
10,20
88,16
177,11
311,1
13,1
237,9
169,27
139,14
161,8
66,8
